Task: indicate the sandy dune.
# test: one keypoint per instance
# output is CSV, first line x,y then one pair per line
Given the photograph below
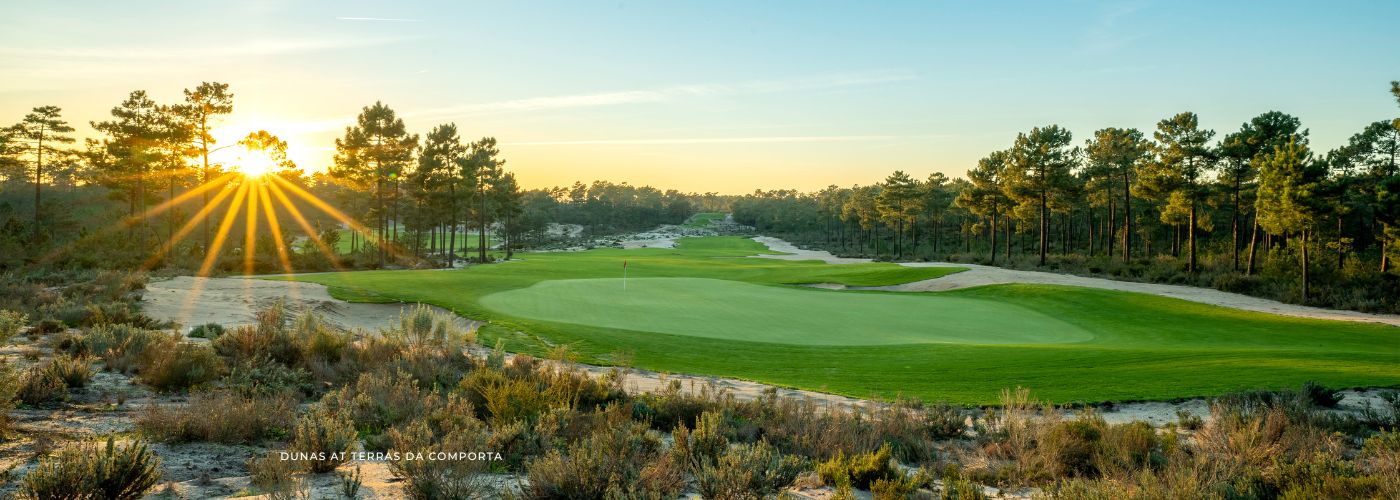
x,y
978,275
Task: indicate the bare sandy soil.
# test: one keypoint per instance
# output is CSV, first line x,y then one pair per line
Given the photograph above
x,y
230,302
978,275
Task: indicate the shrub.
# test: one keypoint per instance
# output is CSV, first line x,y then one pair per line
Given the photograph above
x,y
858,471
444,478
896,488
271,474
945,421
618,461
73,344
223,417
1069,448
1321,396
265,379
209,331
1188,420
74,371
748,471
123,347
326,435
378,401
11,322
90,471
41,385
181,366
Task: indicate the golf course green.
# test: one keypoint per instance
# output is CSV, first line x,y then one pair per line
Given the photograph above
x,y
733,310
706,307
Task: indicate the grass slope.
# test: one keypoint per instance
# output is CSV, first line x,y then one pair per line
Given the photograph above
x,y
1143,347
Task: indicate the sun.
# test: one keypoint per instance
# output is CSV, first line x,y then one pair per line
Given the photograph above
x,y
255,163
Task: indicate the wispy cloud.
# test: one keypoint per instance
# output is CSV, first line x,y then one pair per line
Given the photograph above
x,y
380,19
670,93
1105,34
721,140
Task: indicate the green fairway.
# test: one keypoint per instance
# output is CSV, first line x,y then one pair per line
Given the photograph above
x,y
703,219
732,316
733,310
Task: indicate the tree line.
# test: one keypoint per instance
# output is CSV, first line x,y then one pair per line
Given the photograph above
x,y
150,154
1256,195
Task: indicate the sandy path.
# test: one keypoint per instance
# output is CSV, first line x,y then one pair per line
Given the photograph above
x,y
978,275
230,302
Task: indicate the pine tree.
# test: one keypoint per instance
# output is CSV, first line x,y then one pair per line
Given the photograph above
x,y
1288,183
37,135
1040,165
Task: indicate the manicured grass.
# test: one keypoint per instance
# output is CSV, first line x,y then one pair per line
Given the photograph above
x,y
1142,347
733,310
703,219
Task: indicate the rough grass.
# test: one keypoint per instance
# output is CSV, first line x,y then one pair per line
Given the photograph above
x,y
1143,347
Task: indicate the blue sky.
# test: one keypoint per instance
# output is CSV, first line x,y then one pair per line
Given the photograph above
x,y
716,96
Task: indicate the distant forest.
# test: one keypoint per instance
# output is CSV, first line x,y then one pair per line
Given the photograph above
x,y
1254,211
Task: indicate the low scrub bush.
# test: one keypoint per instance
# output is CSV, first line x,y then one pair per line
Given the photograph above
x,y
209,331
265,379
93,471
378,401
123,347
444,478
625,461
11,322
858,471
326,435
222,416
74,371
41,385
273,475
178,366
723,471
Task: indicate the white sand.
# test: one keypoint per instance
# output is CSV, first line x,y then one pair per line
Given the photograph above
x,y
978,275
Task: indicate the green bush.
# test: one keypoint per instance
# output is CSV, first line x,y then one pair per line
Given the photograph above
x,y
180,366
123,347
90,471
209,331
859,471
1321,396
74,371
41,385
442,478
748,471
624,461
326,435
265,379
378,401
11,322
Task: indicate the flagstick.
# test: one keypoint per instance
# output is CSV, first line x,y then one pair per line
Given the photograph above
x,y
624,276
